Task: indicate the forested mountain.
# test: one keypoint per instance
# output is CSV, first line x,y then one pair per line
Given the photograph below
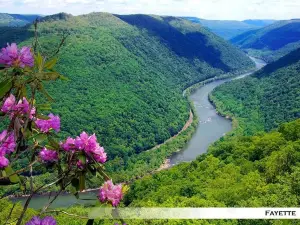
x,y
264,100
127,74
271,42
16,20
255,171
230,28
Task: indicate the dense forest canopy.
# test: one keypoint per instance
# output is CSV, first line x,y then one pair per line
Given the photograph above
x,y
264,100
253,171
271,42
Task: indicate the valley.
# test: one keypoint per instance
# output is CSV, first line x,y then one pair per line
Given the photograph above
x,y
210,128
185,112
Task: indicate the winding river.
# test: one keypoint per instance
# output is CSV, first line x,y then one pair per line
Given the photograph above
x,y
212,127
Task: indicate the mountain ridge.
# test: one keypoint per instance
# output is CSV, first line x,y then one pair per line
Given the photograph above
x,y
228,29
271,42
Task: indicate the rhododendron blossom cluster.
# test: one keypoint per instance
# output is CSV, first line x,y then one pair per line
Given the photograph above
x,y
87,144
12,56
52,123
111,193
13,108
48,155
48,220
7,146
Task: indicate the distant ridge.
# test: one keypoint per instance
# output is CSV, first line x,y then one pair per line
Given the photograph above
x,y
230,28
271,42
17,20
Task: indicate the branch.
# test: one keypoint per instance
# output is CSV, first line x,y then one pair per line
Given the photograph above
x,y
25,208
64,37
9,215
64,212
50,202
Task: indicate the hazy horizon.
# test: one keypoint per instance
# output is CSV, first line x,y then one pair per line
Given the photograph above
x,y
208,9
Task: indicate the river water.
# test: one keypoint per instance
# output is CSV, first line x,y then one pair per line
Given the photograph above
x,y
211,128
211,125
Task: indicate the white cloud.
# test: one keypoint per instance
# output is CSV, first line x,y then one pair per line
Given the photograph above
x,y
209,9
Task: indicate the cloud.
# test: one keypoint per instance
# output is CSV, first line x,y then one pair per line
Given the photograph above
x,y
209,9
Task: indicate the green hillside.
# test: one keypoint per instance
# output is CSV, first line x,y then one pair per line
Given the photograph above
x,y
16,20
271,42
254,171
264,100
228,29
126,79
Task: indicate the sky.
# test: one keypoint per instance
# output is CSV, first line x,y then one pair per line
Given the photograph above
x,y
207,9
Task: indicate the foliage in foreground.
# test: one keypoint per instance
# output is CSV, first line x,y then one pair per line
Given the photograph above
x,y
30,134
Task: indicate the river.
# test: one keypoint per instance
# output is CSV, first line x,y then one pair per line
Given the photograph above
x,y
211,127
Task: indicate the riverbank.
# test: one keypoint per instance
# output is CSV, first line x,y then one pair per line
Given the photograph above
x,y
227,115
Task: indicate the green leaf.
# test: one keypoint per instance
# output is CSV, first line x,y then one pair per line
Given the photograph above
x,y
44,106
63,78
13,178
48,76
81,182
42,89
39,62
23,91
43,117
5,86
54,143
82,158
40,138
50,64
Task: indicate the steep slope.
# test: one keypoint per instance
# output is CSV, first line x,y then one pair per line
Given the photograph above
x,y
264,100
228,29
256,171
271,42
16,20
127,81
190,41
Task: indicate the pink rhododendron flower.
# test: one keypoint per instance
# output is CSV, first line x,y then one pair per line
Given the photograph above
x,y
111,193
48,220
22,107
69,144
8,104
12,108
90,146
48,155
7,146
11,56
7,142
99,154
45,125
32,113
3,162
26,57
